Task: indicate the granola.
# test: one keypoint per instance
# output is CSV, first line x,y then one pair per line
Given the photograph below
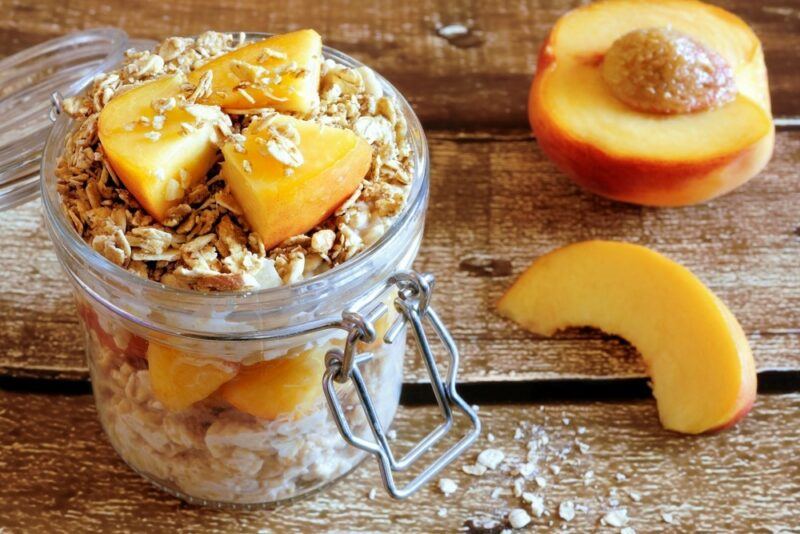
x,y
205,243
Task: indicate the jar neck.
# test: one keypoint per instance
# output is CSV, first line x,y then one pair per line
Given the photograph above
x,y
273,313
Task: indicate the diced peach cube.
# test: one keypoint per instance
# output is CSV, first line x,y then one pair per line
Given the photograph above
x,y
179,380
286,387
289,175
158,149
280,72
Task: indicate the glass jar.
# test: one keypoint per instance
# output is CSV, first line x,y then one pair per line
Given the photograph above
x,y
259,397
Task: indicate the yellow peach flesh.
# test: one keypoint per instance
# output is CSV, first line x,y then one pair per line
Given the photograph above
x,y
697,355
287,387
159,169
280,205
296,51
179,380
652,159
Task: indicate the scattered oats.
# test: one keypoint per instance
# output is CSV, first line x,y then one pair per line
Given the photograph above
x,y
322,241
588,475
476,470
584,448
174,190
476,408
392,434
616,518
519,434
526,469
447,486
627,530
158,122
442,512
187,128
152,136
635,496
518,518
620,477
452,30
565,421
491,458
490,437
581,430
566,510
537,504
247,96
555,469
372,494
270,53
519,486
541,482
248,167
496,492
668,518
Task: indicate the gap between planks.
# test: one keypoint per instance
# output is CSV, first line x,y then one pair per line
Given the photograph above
x,y
59,474
489,392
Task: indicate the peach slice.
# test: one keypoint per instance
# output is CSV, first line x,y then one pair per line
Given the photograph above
x,y
702,372
286,387
669,158
151,151
289,175
280,72
179,380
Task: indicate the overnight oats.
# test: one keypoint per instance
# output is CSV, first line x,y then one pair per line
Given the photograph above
x,y
217,202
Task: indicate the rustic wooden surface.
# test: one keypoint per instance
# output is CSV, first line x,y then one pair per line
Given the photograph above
x,y
496,204
59,474
474,81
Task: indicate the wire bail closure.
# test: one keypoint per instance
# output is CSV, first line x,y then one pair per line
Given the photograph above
x,y
413,303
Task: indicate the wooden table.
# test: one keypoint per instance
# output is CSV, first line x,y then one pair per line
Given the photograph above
x,y
496,204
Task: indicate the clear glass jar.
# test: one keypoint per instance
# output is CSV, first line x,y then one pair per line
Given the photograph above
x,y
218,398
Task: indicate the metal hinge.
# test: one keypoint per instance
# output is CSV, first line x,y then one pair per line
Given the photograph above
x,y
413,304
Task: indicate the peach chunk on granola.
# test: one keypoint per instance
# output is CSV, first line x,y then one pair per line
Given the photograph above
x,y
286,387
281,72
289,175
155,144
179,380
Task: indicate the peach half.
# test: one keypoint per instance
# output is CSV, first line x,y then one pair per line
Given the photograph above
x,y
701,368
664,155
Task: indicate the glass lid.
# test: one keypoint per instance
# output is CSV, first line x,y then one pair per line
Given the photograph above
x,y
27,81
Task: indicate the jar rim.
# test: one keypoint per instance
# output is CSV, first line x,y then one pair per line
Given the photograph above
x,y
63,231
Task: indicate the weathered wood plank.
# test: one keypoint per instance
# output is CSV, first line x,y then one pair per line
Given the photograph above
x,y
59,474
496,204
478,80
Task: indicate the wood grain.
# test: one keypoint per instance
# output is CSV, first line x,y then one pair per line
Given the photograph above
x,y
496,204
59,474
475,81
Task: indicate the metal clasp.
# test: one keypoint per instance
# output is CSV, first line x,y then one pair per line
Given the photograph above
x,y
413,303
